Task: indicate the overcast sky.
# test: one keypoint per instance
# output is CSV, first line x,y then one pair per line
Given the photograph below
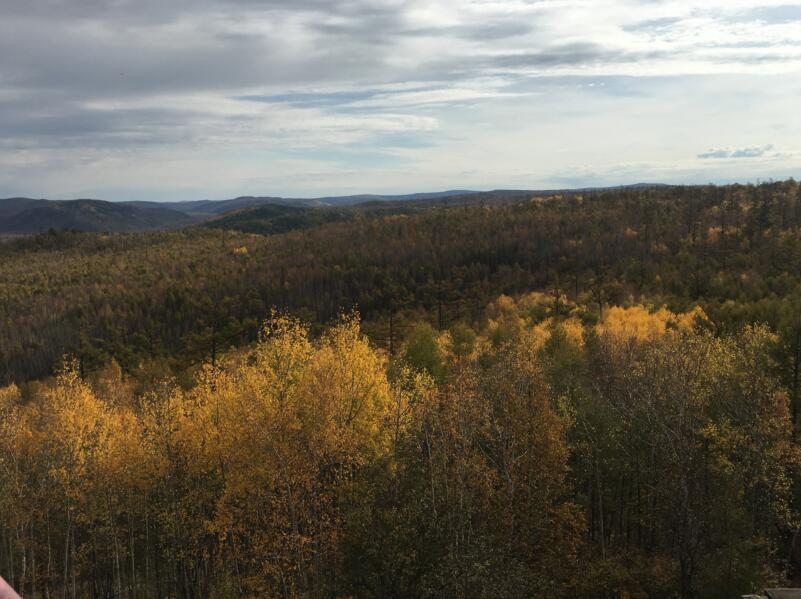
x,y
192,99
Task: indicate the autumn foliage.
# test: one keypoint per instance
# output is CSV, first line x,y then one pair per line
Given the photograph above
x,y
539,452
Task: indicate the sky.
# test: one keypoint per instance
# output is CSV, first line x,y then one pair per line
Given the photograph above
x,y
194,99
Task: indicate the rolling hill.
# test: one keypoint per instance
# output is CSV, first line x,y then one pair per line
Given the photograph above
x,y
263,214
23,216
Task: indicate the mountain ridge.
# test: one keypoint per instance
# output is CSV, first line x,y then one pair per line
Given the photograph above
x,y
24,215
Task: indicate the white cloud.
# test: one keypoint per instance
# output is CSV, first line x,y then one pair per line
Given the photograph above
x,y
749,152
300,96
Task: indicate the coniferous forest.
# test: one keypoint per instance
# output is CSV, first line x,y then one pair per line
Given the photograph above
x,y
588,394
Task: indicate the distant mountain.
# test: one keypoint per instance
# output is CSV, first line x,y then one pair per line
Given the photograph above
x,y
363,198
24,216
203,209
11,206
27,215
209,208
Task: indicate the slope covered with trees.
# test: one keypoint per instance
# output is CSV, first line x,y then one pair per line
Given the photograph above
x,y
538,456
23,216
179,297
20,216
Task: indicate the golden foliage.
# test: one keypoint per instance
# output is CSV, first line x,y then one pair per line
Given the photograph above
x,y
638,323
279,458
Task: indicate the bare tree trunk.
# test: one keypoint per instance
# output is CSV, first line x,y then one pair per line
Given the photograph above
x,y
67,553
72,550
601,531
24,568
117,573
33,565
132,582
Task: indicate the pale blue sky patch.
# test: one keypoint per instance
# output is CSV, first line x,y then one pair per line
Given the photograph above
x,y
778,14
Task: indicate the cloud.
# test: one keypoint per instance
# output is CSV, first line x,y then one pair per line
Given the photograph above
x,y
434,85
753,152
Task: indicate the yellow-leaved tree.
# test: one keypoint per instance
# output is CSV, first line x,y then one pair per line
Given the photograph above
x,y
286,427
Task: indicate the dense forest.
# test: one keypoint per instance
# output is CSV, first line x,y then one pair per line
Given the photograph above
x,y
177,298
578,395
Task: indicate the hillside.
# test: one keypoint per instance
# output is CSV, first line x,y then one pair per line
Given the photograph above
x,y
205,209
272,219
12,206
34,216
734,250
25,216
210,208
275,218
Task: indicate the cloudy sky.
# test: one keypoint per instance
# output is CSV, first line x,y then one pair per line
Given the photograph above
x,y
191,99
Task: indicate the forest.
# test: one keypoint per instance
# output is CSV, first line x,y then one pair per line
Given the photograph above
x,y
576,395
